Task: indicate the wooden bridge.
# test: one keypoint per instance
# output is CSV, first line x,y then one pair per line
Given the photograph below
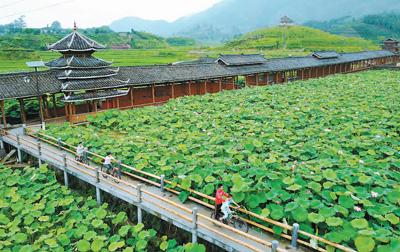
x,y
148,192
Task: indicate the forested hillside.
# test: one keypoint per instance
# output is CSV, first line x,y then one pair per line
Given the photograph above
x,y
371,27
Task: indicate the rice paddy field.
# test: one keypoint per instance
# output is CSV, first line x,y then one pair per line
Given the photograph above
x,y
324,153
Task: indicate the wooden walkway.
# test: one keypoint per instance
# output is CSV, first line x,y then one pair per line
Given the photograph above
x,y
191,216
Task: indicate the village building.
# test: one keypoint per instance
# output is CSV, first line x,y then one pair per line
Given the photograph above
x,y
86,85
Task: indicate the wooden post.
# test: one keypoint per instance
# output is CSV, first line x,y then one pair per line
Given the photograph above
x,y
117,102
190,88
54,105
22,110
153,93
3,114
205,87
173,91
310,73
139,209
220,84
66,182
256,79
194,223
323,71
132,99
302,74
98,196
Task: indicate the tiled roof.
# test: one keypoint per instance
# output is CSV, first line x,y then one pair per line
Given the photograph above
x,y
75,42
18,85
241,59
89,96
78,62
21,85
326,55
74,74
92,84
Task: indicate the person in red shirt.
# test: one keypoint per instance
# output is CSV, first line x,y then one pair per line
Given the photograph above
x,y
219,199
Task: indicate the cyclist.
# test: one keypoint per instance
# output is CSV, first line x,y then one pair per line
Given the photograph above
x,y
107,162
219,199
80,150
225,208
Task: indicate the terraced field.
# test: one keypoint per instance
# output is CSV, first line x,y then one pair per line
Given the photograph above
x,y
324,153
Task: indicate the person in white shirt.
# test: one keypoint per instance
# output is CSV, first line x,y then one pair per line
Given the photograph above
x,y
80,149
225,208
107,162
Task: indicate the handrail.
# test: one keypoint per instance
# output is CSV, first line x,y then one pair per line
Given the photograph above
x,y
268,220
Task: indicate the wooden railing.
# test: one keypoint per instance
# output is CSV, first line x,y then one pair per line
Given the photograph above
x,y
159,181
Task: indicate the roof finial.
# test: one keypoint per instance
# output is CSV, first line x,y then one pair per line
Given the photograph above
x,y
75,28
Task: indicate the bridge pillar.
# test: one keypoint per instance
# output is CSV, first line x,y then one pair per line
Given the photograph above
x,y
295,234
1,143
274,246
194,227
98,196
139,209
66,182
19,153
162,183
39,153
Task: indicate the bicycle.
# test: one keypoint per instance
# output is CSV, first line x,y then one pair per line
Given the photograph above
x,y
234,220
113,171
82,158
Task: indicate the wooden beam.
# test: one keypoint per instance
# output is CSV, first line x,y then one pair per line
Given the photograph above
x,y
256,79
220,84
41,113
153,93
173,90
190,88
302,74
95,106
205,87
118,102
3,114
22,110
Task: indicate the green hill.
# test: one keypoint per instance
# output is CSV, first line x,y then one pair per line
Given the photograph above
x,y
372,27
298,37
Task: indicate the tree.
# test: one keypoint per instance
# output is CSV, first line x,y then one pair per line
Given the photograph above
x,y
56,26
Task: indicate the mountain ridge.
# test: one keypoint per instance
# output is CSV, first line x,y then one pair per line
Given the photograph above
x,y
228,18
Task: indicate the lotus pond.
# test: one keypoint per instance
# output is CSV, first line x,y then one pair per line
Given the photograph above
x,y
38,214
324,153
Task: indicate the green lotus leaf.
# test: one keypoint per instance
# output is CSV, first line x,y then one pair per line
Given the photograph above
x,y
20,238
346,201
367,232
291,206
141,244
63,239
123,231
329,174
334,221
120,218
315,218
300,214
314,186
100,213
97,223
52,243
89,235
359,223
265,212
97,244
393,219
276,211
116,245
294,187
164,245
288,180
4,219
364,243
83,245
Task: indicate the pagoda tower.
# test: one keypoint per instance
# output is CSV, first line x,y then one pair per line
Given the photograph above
x,y
85,78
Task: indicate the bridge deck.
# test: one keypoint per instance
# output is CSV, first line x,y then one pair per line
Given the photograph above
x,y
162,204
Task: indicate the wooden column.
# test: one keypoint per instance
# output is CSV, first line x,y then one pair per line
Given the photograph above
x,y
220,84
22,110
88,104
190,88
54,105
153,93
132,99
173,90
205,87
46,106
310,73
256,79
302,74
3,114
95,106
117,102
66,110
